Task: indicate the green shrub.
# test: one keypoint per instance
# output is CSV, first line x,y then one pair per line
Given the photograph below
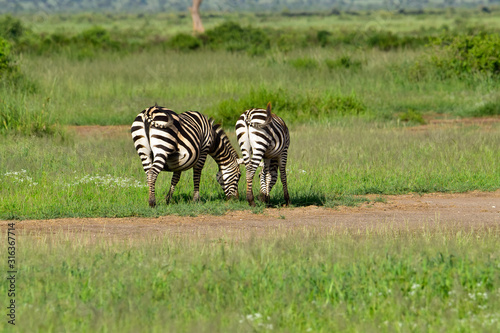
x,y
97,37
184,42
467,54
11,28
229,110
323,37
7,67
233,37
292,108
342,105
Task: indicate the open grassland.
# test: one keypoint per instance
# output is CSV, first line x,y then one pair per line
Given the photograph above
x,y
101,175
354,90
379,279
377,66
348,93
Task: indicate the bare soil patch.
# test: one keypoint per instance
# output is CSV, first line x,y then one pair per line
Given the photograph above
x,y
406,213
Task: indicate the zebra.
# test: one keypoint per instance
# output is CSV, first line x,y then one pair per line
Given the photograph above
x,y
165,140
264,139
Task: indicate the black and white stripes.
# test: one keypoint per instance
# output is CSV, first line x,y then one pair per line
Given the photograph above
x,y
263,137
174,142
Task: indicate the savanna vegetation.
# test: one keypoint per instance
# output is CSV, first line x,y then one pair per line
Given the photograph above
x,y
350,85
347,85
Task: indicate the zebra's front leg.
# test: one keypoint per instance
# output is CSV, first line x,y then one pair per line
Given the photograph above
x,y
197,176
175,179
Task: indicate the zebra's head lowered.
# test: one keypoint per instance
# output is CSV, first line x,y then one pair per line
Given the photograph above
x,y
226,157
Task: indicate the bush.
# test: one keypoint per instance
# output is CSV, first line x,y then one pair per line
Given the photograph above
x,y
233,37
184,42
229,110
97,37
11,28
292,108
7,67
467,54
323,37
342,105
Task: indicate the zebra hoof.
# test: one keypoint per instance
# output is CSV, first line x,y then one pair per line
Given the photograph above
x,y
264,198
152,203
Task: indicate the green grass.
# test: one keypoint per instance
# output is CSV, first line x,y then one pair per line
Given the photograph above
x,y
380,280
112,89
328,165
347,106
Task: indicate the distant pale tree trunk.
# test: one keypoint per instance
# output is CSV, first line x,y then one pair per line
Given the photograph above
x,y
195,14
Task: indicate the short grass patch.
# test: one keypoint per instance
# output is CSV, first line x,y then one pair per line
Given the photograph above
x,y
372,280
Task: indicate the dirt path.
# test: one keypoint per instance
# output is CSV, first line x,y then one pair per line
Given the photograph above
x,y
465,211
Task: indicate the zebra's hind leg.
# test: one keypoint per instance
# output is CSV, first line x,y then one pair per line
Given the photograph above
x,y
264,176
152,175
282,166
273,177
159,162
251,168
175,179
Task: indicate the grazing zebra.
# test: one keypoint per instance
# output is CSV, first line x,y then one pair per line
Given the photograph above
x,y
263,136
175,142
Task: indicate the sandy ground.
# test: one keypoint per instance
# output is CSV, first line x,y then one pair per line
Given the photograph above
x,y
407,213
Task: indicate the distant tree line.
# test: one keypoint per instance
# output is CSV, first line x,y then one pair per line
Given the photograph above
x,y
15,6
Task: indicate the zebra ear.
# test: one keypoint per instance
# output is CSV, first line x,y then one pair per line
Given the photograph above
x,y
268,108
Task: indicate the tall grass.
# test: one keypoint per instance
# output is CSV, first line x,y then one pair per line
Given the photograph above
x,y
328,165
320,281
112,89
98,74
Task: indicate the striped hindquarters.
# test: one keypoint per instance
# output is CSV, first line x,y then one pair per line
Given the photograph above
x,y
259,140
154,132
264,139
